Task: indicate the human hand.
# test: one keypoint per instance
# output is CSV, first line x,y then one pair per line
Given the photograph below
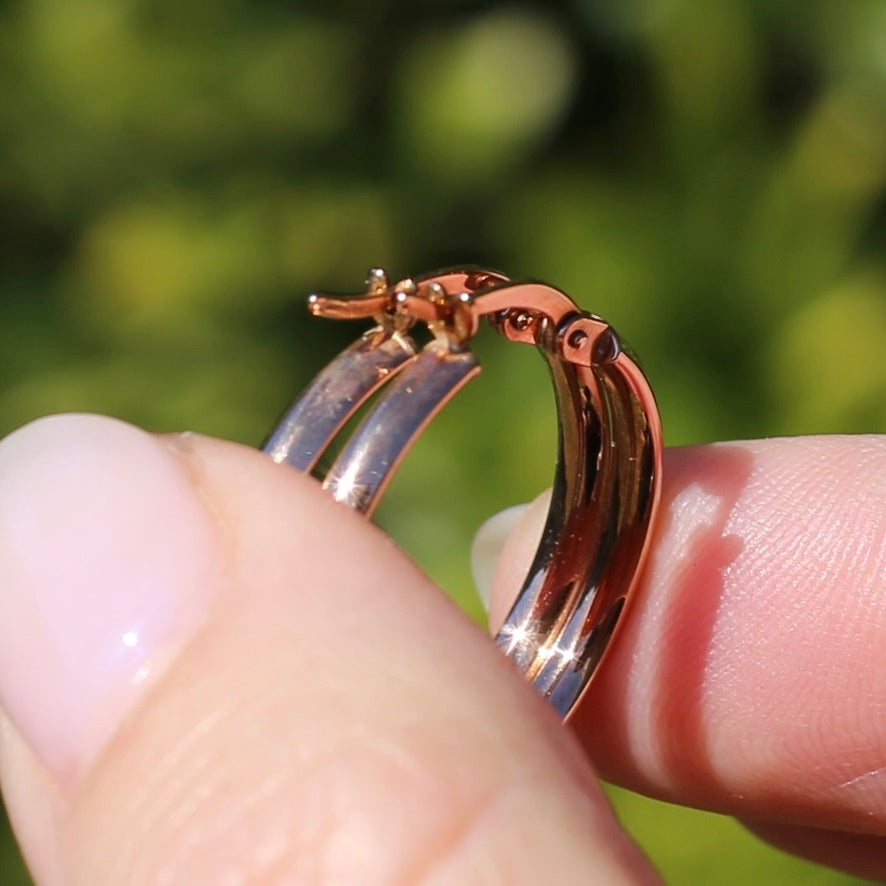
x,y
212,673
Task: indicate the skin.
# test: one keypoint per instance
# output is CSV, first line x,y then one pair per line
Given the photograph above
x,y
337,720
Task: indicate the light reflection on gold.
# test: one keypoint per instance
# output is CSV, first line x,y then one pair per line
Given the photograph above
x,y
345,489
525,639
517,635
549,651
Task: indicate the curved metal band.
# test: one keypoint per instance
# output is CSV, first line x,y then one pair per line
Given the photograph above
x,y
337,393
605,492
363,469
608,474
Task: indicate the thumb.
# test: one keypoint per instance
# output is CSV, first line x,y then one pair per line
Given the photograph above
x,y
209,672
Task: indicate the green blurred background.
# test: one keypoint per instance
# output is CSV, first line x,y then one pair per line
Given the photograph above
x,y
709,176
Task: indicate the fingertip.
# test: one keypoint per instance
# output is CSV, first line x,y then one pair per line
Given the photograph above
x,y
744,677
516,538
487,546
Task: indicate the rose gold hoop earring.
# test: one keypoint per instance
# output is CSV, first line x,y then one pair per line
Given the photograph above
x,y
608,475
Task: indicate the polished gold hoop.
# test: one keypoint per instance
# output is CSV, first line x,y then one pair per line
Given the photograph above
x,y
608,475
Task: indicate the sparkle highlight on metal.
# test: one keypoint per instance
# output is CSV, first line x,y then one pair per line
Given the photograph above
x,y
607,480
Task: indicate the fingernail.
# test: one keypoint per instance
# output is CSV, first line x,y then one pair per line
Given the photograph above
x,y
108,561
487,547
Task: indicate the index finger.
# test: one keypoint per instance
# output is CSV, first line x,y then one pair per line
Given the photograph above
x,y
750,674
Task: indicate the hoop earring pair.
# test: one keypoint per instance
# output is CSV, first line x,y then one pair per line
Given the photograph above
x,y
608,474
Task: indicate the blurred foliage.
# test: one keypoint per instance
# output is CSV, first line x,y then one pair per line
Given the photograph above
x,y
709,176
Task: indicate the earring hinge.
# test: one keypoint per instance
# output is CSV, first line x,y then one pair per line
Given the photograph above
x,y
582,339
